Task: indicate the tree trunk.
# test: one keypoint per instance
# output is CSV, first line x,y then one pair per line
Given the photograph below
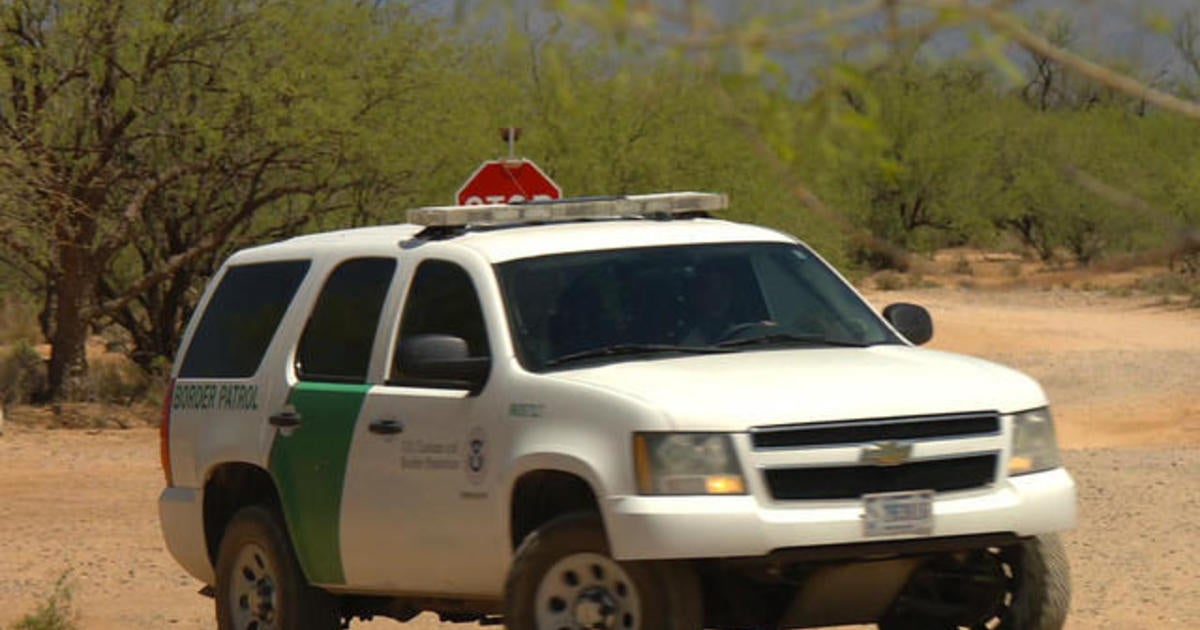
x,y
67,373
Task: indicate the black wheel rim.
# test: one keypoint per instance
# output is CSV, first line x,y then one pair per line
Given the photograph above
x,y
973,590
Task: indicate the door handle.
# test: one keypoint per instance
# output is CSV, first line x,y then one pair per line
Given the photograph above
x,y
387,427
285,419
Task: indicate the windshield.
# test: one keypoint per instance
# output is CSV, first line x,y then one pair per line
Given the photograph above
x,y
624,304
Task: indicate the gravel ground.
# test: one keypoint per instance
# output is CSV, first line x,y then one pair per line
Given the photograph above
x,y
1135,557
85,502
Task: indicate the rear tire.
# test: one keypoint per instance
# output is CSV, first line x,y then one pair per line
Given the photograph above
x,y
259,583
1032,590
563,576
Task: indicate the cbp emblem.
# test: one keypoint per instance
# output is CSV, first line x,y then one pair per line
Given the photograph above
x,y
476,455
886,453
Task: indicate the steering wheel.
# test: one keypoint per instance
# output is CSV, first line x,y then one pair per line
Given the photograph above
x,y
742,330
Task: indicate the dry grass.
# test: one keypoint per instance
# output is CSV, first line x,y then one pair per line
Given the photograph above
x,y
978,270
84,415
56,612
18,321
112,377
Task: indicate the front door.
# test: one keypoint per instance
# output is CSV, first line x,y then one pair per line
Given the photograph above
x,y
418,514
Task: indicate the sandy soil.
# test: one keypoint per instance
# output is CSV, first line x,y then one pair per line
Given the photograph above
x,y
1123,376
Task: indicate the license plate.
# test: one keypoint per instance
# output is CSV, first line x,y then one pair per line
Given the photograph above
x,y
895,513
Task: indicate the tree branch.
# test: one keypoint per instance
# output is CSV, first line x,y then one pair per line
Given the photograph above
x,y
213,239
136,206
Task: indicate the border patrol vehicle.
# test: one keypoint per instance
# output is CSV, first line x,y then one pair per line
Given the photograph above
x,y
597,413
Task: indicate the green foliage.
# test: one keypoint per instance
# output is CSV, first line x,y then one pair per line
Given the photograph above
x,y
914,154
911,188
152,139
600,123
960,161
56,612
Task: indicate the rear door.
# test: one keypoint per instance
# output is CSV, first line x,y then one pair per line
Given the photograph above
x,y
315,428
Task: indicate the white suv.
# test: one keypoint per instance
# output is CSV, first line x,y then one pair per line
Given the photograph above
x,y
600,414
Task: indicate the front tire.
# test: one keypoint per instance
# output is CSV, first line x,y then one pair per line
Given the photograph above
x,y
1022,587
259,583
564,578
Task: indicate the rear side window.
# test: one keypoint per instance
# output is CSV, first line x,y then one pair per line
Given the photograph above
x,y
241,319
337,341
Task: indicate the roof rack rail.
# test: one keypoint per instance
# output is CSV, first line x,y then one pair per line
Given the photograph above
x,y
443,219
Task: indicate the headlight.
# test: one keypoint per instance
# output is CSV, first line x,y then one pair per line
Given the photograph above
x,y
1034,448
686,463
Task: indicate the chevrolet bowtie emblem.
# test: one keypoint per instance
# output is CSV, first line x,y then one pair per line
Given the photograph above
x,y
886,453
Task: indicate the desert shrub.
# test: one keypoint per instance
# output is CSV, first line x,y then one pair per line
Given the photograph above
x,y
1187,262
889,281
111,378
55,612
1121,292
157,379
1169,284
22,373
918,280
116,381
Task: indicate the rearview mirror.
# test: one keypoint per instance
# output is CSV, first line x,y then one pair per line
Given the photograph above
x,y
910,320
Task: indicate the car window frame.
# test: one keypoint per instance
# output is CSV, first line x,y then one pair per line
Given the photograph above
x,y
316,302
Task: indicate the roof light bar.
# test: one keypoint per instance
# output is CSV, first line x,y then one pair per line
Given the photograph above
x,y
570,209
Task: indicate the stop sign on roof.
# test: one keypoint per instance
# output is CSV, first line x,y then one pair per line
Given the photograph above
x,y
507,181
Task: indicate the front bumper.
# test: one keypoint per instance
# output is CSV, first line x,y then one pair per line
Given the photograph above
x,y
659,528
181,514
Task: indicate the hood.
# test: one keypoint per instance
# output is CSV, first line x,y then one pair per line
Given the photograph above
x,y
736,391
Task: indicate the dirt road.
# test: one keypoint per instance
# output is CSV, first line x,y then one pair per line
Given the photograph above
x,y
1123,377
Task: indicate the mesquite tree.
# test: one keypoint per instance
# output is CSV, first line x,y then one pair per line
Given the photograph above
x,y
141,141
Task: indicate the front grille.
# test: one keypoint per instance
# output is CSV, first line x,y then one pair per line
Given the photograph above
x,y
858,431
848,482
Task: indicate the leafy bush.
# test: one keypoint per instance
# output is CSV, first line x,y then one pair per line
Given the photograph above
x,y
55,613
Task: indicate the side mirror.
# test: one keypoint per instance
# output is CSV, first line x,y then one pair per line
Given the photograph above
x,y
910,320
440,361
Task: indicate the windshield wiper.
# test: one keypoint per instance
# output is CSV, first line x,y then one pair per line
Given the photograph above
x,y
625,349
786,338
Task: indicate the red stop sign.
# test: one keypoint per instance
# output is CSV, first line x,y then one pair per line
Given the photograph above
x,y
506,181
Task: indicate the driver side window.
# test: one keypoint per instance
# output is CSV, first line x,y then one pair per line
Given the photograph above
x,y
442,300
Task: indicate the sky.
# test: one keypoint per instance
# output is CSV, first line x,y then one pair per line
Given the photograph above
x,y
1106,30
1118,28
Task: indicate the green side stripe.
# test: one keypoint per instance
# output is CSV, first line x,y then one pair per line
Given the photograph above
x,y
309,467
